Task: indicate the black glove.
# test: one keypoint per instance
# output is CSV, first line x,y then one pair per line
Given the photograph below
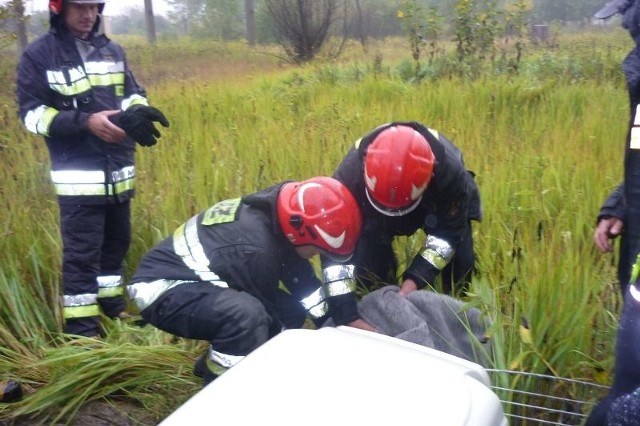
x,y
137,122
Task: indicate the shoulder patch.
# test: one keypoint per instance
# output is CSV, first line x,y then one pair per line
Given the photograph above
x,y
222,212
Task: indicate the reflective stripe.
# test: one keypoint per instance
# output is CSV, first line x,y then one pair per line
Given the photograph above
x,y
81,305
186,244
39,120
438,252
134,100
81,311
92,182
110,286
338,272
80,299
338,288
143,294
105,73
315,303
76,83
313,299
222,359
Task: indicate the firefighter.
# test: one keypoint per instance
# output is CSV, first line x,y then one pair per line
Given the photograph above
x,y
217,277
75,88
407,177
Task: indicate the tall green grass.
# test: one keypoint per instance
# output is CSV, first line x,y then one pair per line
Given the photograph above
x,y
546,146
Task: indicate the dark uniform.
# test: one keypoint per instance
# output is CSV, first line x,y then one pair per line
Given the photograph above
x,y
614,206
217,279
448,204
61,81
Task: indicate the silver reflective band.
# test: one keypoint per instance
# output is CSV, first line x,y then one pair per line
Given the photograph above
x,y
80,299
77,176
222,359
319,311
143,294
123,174
338,272
186,244
108,281
338,288
39,120
438,252
104,67
313,299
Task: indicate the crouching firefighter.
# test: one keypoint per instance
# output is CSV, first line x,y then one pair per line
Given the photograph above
x,y
220,276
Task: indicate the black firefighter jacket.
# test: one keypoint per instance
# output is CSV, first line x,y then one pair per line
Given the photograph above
x,y
57,91
449,202
238,243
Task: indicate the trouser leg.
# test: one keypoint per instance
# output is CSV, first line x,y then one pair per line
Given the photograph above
x,y
82,234
117,237
233,322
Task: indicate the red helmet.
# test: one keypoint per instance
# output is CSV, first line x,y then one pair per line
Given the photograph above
x,y
398,166
321,212
55,6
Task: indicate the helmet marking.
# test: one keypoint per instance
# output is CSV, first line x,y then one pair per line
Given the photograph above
x,y
416,192
303,188
334,242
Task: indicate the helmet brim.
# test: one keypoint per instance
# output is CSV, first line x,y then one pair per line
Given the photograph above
x,y
392,212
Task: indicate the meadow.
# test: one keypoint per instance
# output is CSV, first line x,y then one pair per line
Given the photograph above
x,y
546,144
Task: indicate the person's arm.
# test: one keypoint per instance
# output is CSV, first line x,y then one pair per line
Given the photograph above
x,y
610,221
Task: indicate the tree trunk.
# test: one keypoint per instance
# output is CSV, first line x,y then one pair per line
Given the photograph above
x,y
150,21
249,11
17,7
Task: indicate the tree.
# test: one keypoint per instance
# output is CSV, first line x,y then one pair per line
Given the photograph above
x,y
150,22
17,8
301,26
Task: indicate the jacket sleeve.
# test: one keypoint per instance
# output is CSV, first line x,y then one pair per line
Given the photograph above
x,y
36,102
446,226
614,205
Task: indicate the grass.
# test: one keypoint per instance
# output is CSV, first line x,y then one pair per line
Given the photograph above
x,y
546,145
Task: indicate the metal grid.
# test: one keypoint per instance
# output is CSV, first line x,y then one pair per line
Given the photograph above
x,y
539,399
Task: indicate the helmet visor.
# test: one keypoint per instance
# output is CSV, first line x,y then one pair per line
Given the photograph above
x,y
387,211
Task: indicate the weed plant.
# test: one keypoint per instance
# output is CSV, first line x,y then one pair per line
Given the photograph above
x,y
546,144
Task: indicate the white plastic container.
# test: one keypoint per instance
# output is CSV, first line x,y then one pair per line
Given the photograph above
x,y
345,376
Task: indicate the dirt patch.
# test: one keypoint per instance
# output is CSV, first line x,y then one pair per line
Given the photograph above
x,y
98,413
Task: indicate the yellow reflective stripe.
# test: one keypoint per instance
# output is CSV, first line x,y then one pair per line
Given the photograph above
x,y
106,80
134,100
434,132
128,185
216,369
77,189
73,89
434,258
92,182
81,311
186,244
39,120
110,292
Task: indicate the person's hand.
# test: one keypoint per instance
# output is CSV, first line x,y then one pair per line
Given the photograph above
x,y
408,286
137,121
363,325
98,124
606,230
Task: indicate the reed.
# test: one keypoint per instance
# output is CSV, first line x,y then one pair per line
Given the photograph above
x,y
546,145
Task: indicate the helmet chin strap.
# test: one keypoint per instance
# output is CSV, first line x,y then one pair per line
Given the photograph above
x,y
392,213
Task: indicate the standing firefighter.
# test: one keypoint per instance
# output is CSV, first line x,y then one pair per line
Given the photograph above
x,y
407,177
217,277
621,406
74,87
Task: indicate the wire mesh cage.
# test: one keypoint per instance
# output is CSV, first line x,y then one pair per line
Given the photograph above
x,y
539,399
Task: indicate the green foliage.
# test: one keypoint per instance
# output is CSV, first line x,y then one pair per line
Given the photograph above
x,y
540,142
